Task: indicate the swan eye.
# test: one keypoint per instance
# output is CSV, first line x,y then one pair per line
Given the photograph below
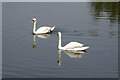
x,y
33,21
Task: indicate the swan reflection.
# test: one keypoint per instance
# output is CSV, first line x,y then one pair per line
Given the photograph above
x,y
42,36
71,54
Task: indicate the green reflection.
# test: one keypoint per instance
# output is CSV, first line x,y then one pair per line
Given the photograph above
x,y
106,10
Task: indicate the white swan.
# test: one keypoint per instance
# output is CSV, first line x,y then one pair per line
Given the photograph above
x,y
41,30
71,46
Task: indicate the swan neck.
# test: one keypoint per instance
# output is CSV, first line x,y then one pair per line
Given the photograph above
x,y
59,42
34,27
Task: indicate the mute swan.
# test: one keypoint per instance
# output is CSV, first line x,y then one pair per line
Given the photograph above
x,y
41,30
71,46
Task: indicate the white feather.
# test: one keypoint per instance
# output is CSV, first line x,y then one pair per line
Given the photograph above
x,y
43,29
71,46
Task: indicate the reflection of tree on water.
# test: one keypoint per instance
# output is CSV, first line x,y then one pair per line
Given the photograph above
x,y
107,10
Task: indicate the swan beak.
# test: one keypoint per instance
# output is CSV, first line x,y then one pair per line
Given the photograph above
x,y
32,21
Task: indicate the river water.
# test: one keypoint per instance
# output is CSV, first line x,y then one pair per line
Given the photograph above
x,y
94,24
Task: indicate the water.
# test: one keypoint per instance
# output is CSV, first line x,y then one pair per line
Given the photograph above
x,y
28,56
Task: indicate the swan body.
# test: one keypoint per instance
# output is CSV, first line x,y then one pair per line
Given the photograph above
x,y
71,46
43,29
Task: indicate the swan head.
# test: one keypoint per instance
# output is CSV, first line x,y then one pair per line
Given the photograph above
x,y
33,20
59,33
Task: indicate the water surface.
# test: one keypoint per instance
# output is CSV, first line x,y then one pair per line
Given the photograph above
x,y
28,56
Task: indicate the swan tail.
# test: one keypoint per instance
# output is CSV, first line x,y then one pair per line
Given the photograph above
x,y
52,28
